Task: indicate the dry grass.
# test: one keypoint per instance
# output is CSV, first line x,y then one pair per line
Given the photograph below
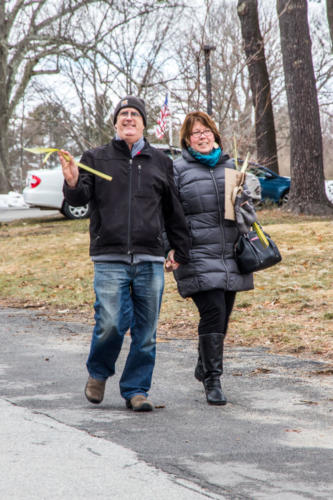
x,y
45,264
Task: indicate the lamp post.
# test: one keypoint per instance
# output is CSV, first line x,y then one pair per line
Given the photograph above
x,y
207,50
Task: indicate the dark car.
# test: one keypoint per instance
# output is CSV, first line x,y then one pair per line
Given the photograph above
x,y
274,187
171,151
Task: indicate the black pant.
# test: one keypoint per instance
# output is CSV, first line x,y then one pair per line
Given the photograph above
x,y
214,307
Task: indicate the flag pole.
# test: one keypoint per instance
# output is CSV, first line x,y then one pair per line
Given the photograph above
x,y
170,120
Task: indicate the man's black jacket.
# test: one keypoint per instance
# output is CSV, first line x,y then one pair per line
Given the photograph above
x,y
129,213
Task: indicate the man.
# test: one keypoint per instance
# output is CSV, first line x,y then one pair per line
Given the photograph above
x,y
127,219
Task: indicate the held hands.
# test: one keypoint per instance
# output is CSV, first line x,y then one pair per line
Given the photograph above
x,y
171,264
69,168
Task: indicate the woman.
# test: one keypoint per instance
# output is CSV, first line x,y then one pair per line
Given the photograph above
x,y
211,278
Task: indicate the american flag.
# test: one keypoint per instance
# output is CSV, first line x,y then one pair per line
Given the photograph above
x,y
162,119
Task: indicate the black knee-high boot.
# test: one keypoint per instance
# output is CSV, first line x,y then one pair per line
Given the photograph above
x,y
211,351
198,371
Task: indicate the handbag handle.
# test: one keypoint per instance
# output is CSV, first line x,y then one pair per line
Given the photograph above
x,y
261,235
239,188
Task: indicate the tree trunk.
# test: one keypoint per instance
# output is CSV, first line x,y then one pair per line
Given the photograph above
x,y
4,183
329,8
260,85
307,193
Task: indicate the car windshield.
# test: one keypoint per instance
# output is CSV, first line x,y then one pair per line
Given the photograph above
x,y
258,172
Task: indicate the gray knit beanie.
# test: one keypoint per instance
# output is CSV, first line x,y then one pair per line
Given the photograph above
x,y
131,102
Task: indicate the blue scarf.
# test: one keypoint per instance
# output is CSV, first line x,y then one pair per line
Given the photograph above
x,y
210,159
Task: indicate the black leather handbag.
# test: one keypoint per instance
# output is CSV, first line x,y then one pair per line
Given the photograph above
x,y
251,255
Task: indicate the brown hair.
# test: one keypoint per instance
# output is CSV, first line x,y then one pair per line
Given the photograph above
x,y
188,123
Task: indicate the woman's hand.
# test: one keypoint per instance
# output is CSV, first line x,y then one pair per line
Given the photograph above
x,y
69,168
171,264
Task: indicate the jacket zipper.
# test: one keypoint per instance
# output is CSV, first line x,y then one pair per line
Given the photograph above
x,y
139,177
220,222
129,250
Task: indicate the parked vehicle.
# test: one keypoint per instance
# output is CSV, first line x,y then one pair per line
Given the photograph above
x,y
171,151
329,190
44,190
274,187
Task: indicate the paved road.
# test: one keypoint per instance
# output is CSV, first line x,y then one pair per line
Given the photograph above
x,y
274,440
10,214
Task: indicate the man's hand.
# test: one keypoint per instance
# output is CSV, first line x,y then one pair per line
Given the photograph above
x,y
171,264
69,168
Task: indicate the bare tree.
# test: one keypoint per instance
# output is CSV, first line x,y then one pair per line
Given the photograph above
x,y
142,51
260,84
35,35
130,59
231,95
307,194
29,32
329,8
44,125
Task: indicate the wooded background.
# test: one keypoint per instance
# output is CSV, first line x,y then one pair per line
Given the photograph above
x,y
64,64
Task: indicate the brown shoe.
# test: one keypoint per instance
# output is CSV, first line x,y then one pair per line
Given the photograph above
x,y
139,402
94,390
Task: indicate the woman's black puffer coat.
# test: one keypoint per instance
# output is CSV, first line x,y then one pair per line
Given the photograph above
x,y
212,264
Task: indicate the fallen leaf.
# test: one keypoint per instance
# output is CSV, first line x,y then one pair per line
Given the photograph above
x,y
260,370
324,371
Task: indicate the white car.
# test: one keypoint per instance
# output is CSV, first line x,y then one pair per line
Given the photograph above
x,y
44,188
329,190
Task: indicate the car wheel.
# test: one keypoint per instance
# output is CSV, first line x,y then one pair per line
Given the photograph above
x,y
284,198
75,212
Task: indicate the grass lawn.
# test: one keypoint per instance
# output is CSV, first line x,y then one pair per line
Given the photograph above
x,y
45,264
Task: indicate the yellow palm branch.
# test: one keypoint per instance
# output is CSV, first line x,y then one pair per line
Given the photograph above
x,y
49,151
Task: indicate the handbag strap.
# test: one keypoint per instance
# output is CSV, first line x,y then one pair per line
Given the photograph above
x,y
261,235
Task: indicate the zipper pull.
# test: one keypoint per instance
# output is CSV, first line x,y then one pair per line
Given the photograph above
x,y
139,177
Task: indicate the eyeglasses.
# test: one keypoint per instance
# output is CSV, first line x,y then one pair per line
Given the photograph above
x,y
199,133
132,114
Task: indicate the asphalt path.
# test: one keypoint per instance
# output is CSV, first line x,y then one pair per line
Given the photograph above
x,y
273,440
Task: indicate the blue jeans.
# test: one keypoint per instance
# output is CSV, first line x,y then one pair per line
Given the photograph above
x,y
127,296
